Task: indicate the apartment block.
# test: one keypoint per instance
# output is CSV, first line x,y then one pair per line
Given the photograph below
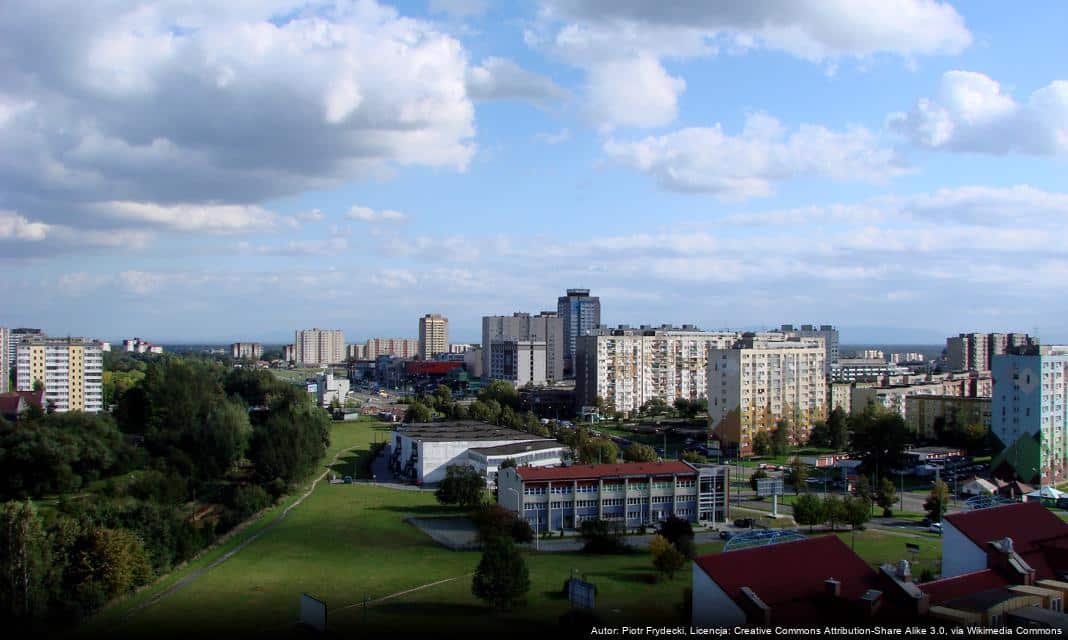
x,y
314,347
581,314
14,337
521,362
71,370
5,361
829,334
246,351
973,351
927,415
406,348
1030,414
546,327
863,370
757,381
433,335
289,353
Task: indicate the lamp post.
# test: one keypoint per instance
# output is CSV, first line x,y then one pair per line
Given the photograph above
x,y
519,507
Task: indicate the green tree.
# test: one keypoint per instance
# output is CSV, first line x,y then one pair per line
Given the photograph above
x,y
501,579
808,509
833,511
761,444
798,474
886,497
654,407
506,464
678,532
666,557
638,452
418,413
597,451
780,438
462,486
936,502
856,511
25,561
837,429
112,562
879,438
693,457
820,434
863,488
602,536
759,474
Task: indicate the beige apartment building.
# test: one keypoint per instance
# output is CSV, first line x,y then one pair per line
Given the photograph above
x,y
314,347
924,414
629,367
71,370
433,335
762,379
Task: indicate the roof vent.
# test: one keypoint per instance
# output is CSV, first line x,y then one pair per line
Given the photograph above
x,y
833,587
904,572
1006,545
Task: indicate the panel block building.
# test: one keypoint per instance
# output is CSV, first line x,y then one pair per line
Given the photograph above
x,y
71,370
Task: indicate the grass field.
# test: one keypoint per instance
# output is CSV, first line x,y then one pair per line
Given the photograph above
x,y
348,542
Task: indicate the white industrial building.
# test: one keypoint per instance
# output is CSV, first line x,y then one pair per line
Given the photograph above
x,y
422,452
328,389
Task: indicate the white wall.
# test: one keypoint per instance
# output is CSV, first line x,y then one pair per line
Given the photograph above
x,y
711,607
435,457
959,553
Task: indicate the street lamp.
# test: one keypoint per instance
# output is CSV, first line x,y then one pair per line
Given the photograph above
x,y
519,507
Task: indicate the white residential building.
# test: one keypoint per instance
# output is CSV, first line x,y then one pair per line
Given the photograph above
x,y
629,367
760,380
547,327
329,389
5,360
71,370
246,350
433,335
315,347
520,362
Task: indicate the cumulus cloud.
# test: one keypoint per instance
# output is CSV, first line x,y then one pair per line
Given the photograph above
x,y
622,43
563,135
173,109
503,79
972,112
708,160
367,214
23,237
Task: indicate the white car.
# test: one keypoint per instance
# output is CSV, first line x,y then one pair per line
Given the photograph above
x,y
935,527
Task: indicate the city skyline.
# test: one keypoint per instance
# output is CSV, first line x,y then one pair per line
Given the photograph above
x,y
221,173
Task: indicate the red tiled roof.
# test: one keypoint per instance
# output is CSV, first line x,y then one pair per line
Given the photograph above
x,y
786,574
9,403
597,471
1027,523
949,588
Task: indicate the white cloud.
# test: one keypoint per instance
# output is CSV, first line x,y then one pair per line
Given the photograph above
x,y
503,79
459,8
367,214
175,106
23,237
621,44
192,217
16,227
707,160
973,113
297,248
563,135
313,215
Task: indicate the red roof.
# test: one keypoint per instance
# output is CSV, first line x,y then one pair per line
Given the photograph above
x,y
958,586
787,574
9,404
431,367
598,471
1038,535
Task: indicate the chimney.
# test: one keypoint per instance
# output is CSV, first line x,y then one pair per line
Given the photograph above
x,y
756,612
871,601
904,572
832,587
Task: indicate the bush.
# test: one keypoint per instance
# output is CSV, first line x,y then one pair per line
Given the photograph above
x,y
246,500
603,536
495,522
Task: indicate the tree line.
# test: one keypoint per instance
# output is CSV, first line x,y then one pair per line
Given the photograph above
x,y
190,450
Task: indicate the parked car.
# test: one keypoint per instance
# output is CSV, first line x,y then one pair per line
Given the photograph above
x,y
743,523
347,479
725,535
935,527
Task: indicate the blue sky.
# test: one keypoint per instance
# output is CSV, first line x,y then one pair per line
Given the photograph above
x,y
190,172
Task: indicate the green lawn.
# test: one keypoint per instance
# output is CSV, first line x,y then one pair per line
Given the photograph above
x,y
348,542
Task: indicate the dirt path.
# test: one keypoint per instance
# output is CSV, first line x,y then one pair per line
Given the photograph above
x,y
189,578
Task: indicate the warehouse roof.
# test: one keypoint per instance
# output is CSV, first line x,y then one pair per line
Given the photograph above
x,y
596,471
463,431
520,447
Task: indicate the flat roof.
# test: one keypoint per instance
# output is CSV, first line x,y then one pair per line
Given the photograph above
x,y
982,600
598,471
520,447
461,431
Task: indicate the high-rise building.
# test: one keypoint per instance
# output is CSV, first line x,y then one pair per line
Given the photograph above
x,y
289,353
5,361
319,347
828,332
545,327
973,351
1029,414
71,370
581,313
757,382
518,361
626,368
406,348
246,351
14,337
433,335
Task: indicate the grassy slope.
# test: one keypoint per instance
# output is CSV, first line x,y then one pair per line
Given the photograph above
x,y
350,541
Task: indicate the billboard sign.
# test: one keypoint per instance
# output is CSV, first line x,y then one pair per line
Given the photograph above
x,y
769,487
581,593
